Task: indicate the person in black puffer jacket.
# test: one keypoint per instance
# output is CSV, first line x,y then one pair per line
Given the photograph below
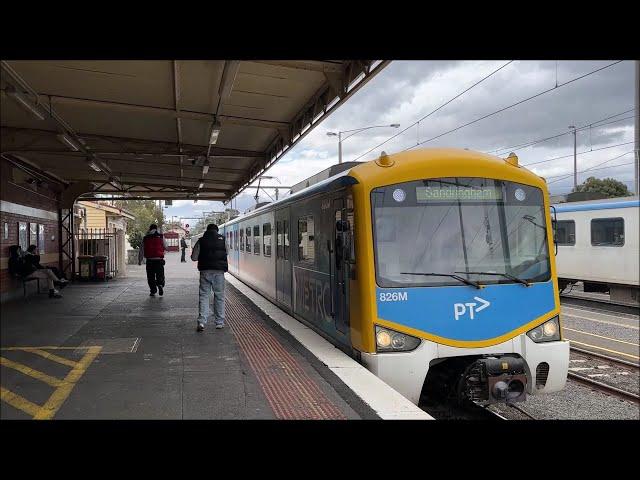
x,y
210,251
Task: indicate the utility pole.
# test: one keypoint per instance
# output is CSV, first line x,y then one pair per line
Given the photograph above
x,y
575,159
636,164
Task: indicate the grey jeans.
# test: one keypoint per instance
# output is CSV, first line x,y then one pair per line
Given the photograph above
x,y
211,280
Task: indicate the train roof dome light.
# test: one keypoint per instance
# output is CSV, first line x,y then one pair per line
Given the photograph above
x,y
512,159
384,160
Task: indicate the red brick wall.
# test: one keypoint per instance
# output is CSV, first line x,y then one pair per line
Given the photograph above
x,y
14,189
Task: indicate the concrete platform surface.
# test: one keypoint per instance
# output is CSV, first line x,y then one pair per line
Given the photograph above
x,y
110,351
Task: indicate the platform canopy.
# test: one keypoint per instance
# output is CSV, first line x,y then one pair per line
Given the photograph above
x,y
180,129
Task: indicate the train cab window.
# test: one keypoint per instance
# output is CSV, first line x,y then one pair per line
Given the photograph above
x,y
565,231
242,239
256,240
266,239
607,232
247,238
306,243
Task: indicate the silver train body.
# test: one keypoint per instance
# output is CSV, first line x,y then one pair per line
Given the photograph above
x,y
598,245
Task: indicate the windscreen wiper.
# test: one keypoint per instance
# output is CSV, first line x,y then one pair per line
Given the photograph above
x,y
457,277
506,275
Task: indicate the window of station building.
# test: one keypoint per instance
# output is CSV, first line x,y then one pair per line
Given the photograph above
x,y
247,238
256,239
306,243
565,232
607,232
266,239
33,234
41,239
23,238
5,230
242,239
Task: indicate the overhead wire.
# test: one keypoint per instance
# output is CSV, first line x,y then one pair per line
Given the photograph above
x,y
435,110
514,104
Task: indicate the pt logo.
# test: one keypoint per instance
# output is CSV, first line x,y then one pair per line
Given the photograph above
x,y
460,309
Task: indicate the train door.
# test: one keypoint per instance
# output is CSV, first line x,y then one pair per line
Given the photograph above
x,y
283,256
340,267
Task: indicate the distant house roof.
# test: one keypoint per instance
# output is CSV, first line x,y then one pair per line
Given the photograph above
x,y
110,210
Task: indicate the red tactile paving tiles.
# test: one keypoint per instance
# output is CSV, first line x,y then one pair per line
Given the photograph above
x,y
291,393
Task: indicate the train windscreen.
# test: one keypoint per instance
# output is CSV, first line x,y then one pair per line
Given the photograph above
x,y
484,230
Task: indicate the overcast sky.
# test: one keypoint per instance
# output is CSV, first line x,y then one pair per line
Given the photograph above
x,y
406,91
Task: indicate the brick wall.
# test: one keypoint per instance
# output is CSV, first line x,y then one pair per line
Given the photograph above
x,y
15,188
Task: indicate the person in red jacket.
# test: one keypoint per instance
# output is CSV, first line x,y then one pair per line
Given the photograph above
x,y
152,249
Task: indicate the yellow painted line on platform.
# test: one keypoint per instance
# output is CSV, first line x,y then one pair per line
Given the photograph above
x,y
19,402
43,377
53,357
600,336
49,409
606,349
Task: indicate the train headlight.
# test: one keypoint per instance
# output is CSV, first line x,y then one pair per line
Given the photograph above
x,y
549,331
383,339
388,340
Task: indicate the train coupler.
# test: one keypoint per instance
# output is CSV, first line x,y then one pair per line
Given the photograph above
x,y
495,380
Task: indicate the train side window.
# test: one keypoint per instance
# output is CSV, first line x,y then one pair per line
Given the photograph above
x,y
266,239
565,232
247,238
306,243
242,239
607,232
285,234
279,242
256,239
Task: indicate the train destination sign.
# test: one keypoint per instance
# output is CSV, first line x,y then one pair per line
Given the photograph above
x,y
458,192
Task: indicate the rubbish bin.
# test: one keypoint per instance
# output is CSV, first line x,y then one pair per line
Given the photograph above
x,y
85,263
100,267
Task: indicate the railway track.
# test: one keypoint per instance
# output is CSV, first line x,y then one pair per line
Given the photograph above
x,y
604,387
607,305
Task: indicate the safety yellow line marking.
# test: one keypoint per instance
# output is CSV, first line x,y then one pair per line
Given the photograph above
x,y
601,321
606,349
45,348
49,409
600,336
19,402
43,377
53,357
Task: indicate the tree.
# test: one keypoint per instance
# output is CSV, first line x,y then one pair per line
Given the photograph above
x,y
608,186
146,213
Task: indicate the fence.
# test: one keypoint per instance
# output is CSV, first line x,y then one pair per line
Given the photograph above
x,y
101,241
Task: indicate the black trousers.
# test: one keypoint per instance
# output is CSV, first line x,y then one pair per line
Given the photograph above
x,y
182,259
155,274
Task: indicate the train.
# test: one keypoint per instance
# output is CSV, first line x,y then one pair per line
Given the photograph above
x,y
598,246
433,268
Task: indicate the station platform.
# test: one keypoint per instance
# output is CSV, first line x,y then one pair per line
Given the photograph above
x,y
110,351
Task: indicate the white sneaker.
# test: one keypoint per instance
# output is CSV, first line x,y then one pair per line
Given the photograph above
x,y
219,327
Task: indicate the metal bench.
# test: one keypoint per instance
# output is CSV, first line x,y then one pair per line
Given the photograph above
x,y
24,284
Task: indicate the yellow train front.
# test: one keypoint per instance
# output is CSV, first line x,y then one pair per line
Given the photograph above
x,y
434,268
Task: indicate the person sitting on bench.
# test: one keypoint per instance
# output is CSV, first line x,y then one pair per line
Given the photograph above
x,y
31,256
26,271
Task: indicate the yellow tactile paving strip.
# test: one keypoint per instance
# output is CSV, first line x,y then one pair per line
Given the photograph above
x,y
63,387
